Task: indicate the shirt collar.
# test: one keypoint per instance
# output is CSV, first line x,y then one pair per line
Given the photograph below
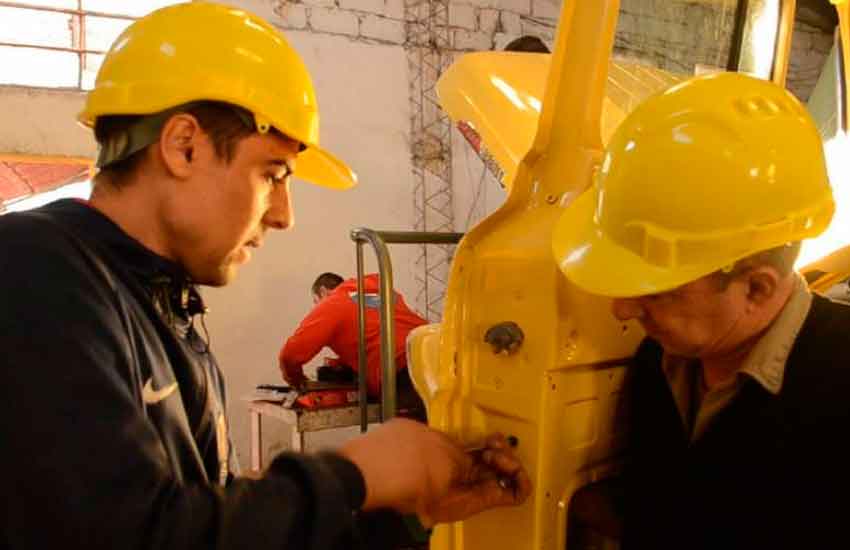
x,y
135,257
766,362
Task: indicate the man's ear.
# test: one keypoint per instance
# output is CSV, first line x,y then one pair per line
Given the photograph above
x,y
179,141
762,284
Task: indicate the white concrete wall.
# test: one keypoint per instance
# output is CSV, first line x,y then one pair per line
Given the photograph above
x,y
43,122
477,193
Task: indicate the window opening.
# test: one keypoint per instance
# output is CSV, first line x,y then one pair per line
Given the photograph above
x,y
61,43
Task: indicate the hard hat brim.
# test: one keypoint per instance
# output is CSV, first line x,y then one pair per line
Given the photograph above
x,y
598,265
317,166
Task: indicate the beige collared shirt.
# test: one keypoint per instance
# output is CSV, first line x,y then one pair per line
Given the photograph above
x,y
765,364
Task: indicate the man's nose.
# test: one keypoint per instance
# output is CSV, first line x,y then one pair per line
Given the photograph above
x,y
280,214
625,309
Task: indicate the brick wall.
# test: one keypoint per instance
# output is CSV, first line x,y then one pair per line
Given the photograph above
x,y
371,21
809,48
474,24
673,35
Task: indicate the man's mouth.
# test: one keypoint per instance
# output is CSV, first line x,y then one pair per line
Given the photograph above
x,y
243,254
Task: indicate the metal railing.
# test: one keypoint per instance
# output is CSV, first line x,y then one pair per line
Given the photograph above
x,y
379,241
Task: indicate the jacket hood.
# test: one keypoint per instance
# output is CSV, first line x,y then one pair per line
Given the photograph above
x,y
371,283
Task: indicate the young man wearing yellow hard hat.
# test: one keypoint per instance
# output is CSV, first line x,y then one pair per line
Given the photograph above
x,y
738,395
112,405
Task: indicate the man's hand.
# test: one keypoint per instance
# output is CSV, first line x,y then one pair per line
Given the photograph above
x,y
495,478
413,469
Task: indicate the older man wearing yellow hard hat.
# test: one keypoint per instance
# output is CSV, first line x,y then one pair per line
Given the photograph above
x,y
112,405
738,396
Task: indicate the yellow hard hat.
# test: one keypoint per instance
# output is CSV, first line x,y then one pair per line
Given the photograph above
x,y
205,51
708,172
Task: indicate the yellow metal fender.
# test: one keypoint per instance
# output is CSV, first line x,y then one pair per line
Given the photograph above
x,y
828,271
423,347
500,95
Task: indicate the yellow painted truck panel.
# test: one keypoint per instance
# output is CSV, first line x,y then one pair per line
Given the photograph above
x,y
556,392
520,350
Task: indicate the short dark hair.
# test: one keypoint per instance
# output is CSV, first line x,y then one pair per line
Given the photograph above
x,y
781,258
528,43
223,122
326,280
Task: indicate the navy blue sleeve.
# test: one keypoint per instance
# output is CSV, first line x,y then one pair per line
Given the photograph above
x,y
85,468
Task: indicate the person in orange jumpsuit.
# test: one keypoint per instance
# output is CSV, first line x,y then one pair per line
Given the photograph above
x,y
332,323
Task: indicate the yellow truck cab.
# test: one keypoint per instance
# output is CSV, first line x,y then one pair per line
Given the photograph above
x,y
519,349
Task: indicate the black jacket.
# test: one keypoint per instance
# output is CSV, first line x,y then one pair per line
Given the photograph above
x,y
94,459
771,471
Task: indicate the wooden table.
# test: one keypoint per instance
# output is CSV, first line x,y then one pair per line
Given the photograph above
x,y
301,421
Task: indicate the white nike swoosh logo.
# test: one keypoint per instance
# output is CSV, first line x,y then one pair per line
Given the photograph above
x,y
151,396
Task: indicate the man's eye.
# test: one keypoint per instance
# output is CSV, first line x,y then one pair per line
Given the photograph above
x,y
273,179
663,297
279,177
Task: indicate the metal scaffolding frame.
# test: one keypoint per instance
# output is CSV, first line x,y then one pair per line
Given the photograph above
x,y
429,54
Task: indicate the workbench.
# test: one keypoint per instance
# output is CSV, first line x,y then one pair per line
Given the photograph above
x,y
301,421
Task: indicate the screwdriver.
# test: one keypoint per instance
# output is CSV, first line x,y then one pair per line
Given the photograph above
x,y
506,483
